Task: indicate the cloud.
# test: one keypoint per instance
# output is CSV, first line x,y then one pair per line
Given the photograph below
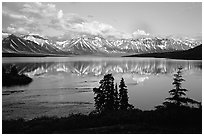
x,y
17,30
140,33
17,16
90,16
60,14
45,19
74,19
14,16
40,10
94,28
97,28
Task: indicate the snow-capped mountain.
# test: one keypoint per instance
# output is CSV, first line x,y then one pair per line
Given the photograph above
x,y
5,35
97,44
15,44
37,39
92,45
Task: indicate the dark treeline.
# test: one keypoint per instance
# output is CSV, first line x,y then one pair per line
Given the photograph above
x,y
114,114
11,77
190,54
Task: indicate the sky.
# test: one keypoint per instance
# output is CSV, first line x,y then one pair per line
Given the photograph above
x,y
63,20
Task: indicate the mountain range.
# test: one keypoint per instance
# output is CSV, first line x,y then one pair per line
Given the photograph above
x,y
35,45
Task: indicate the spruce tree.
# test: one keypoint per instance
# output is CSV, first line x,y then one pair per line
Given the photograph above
x,y
123,96
104,99
116,98
99,99
178,93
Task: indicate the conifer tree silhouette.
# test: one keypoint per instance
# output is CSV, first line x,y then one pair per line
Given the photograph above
x,y
116,98
104,99
177,95
123,96
107,97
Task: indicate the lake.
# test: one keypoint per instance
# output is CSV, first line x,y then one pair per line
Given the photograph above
x,y
63,85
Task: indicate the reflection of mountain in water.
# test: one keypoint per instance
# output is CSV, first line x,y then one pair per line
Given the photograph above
x,y
141,67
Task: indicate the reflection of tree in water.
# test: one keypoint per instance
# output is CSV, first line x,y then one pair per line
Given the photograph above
x,y
27,67
12,77
141,67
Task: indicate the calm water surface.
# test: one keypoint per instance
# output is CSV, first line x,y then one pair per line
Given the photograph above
x,y
64,85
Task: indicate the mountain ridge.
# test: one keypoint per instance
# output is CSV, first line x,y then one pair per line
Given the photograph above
x,y
191,54
91,45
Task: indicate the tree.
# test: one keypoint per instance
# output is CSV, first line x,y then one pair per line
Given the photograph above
x,y
104,99
99,99
178,92
3,71
177,95
123,97
14,71
116,98
108,98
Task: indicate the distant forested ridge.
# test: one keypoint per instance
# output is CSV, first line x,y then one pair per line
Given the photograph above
x,y
191,54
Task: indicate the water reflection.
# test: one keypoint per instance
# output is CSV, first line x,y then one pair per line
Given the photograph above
x,y
64,85
104,66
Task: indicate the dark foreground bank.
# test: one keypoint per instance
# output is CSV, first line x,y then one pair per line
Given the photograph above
x,y
168,121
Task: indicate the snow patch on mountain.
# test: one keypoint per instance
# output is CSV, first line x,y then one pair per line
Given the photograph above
x,y
5,35
37,39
